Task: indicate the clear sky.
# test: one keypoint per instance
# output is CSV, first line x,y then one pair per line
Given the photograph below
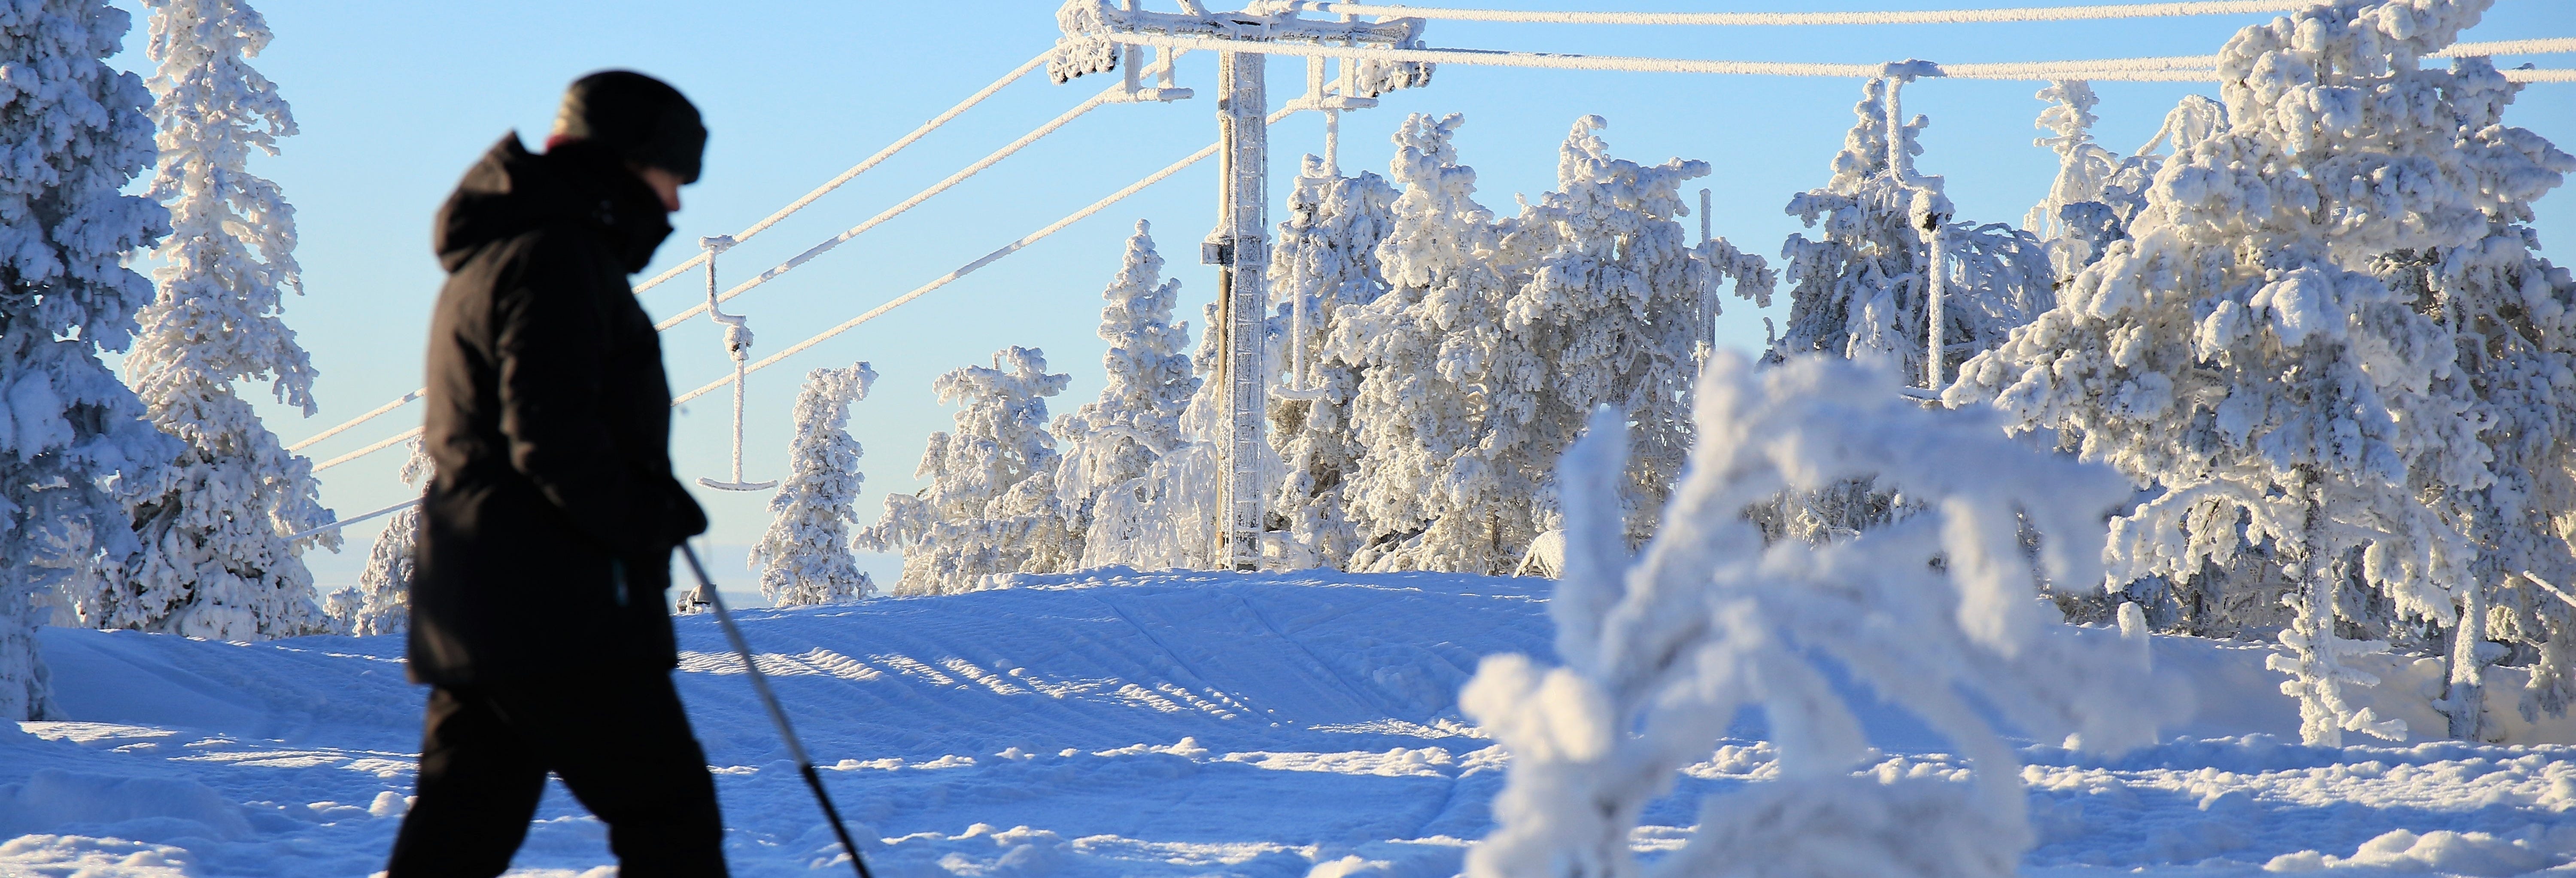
x,y
396,99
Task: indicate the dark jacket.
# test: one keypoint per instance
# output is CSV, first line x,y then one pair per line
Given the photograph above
x,y
549,528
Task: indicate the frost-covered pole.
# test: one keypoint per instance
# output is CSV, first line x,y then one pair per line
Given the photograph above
x,y
1240,248
1928,211
1934,275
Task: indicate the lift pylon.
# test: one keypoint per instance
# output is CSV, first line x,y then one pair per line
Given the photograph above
x,y
1097,36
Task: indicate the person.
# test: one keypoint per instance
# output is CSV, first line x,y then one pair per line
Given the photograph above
x,y
538,612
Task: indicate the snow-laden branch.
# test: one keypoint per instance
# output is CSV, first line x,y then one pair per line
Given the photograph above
x,y
1938,614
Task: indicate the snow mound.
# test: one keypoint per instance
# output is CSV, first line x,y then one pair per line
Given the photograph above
x,y
82,856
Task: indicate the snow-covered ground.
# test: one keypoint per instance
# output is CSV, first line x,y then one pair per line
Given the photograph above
x,y
1170,724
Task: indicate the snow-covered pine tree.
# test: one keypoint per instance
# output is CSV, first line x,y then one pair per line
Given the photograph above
x,y
1112,444
1612,312
990,507
216,562
381,602
73,439
1662,649
2236,353
1325,261
805,557
1862,289
1445,393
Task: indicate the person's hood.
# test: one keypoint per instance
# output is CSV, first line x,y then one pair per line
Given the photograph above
x,y
511,190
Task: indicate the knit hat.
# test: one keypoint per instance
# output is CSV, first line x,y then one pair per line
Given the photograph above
x,y
639,117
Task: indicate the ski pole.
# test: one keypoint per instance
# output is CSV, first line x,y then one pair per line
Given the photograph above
x,y
777,715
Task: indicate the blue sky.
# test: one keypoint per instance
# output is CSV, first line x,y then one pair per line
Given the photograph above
x,y
396,99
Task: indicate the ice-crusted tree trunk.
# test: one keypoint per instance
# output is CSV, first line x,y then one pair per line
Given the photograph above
x,y
216,562
804,558
1662,649
1445,392
1111,445
73,439
991,505
381,602
2237,353
1612,313
1324,262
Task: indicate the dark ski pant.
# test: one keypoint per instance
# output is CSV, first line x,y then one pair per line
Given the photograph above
x,y
618,740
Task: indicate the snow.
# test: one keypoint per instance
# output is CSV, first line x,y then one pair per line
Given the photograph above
x,y
1123,724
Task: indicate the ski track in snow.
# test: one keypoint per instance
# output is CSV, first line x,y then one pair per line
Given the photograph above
x,y
1118,724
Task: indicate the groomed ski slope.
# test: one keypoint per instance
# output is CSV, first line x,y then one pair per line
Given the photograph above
x,y
1121,724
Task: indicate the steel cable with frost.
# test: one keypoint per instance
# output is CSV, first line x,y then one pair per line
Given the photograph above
x,y
969,268
2181,68
987,259
2187,68
1773,19
756,228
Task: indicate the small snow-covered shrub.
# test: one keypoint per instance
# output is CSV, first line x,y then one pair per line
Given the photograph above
x,y
804,558
1937,613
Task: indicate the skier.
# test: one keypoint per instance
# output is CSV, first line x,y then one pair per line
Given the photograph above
x,y
538,614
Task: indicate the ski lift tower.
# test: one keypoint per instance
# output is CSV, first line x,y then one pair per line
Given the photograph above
x,y
1097,37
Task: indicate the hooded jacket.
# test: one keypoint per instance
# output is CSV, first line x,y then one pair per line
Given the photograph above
x,y
547,536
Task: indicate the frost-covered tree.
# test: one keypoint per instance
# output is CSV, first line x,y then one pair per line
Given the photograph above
x,y
2237,354
1169,520
1445,393
2509,312
216,562
1938,614
2097,193
381,602
1325,261
1864,288
1612,312
804,558
991,505
2083,169
73,440
1111,445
